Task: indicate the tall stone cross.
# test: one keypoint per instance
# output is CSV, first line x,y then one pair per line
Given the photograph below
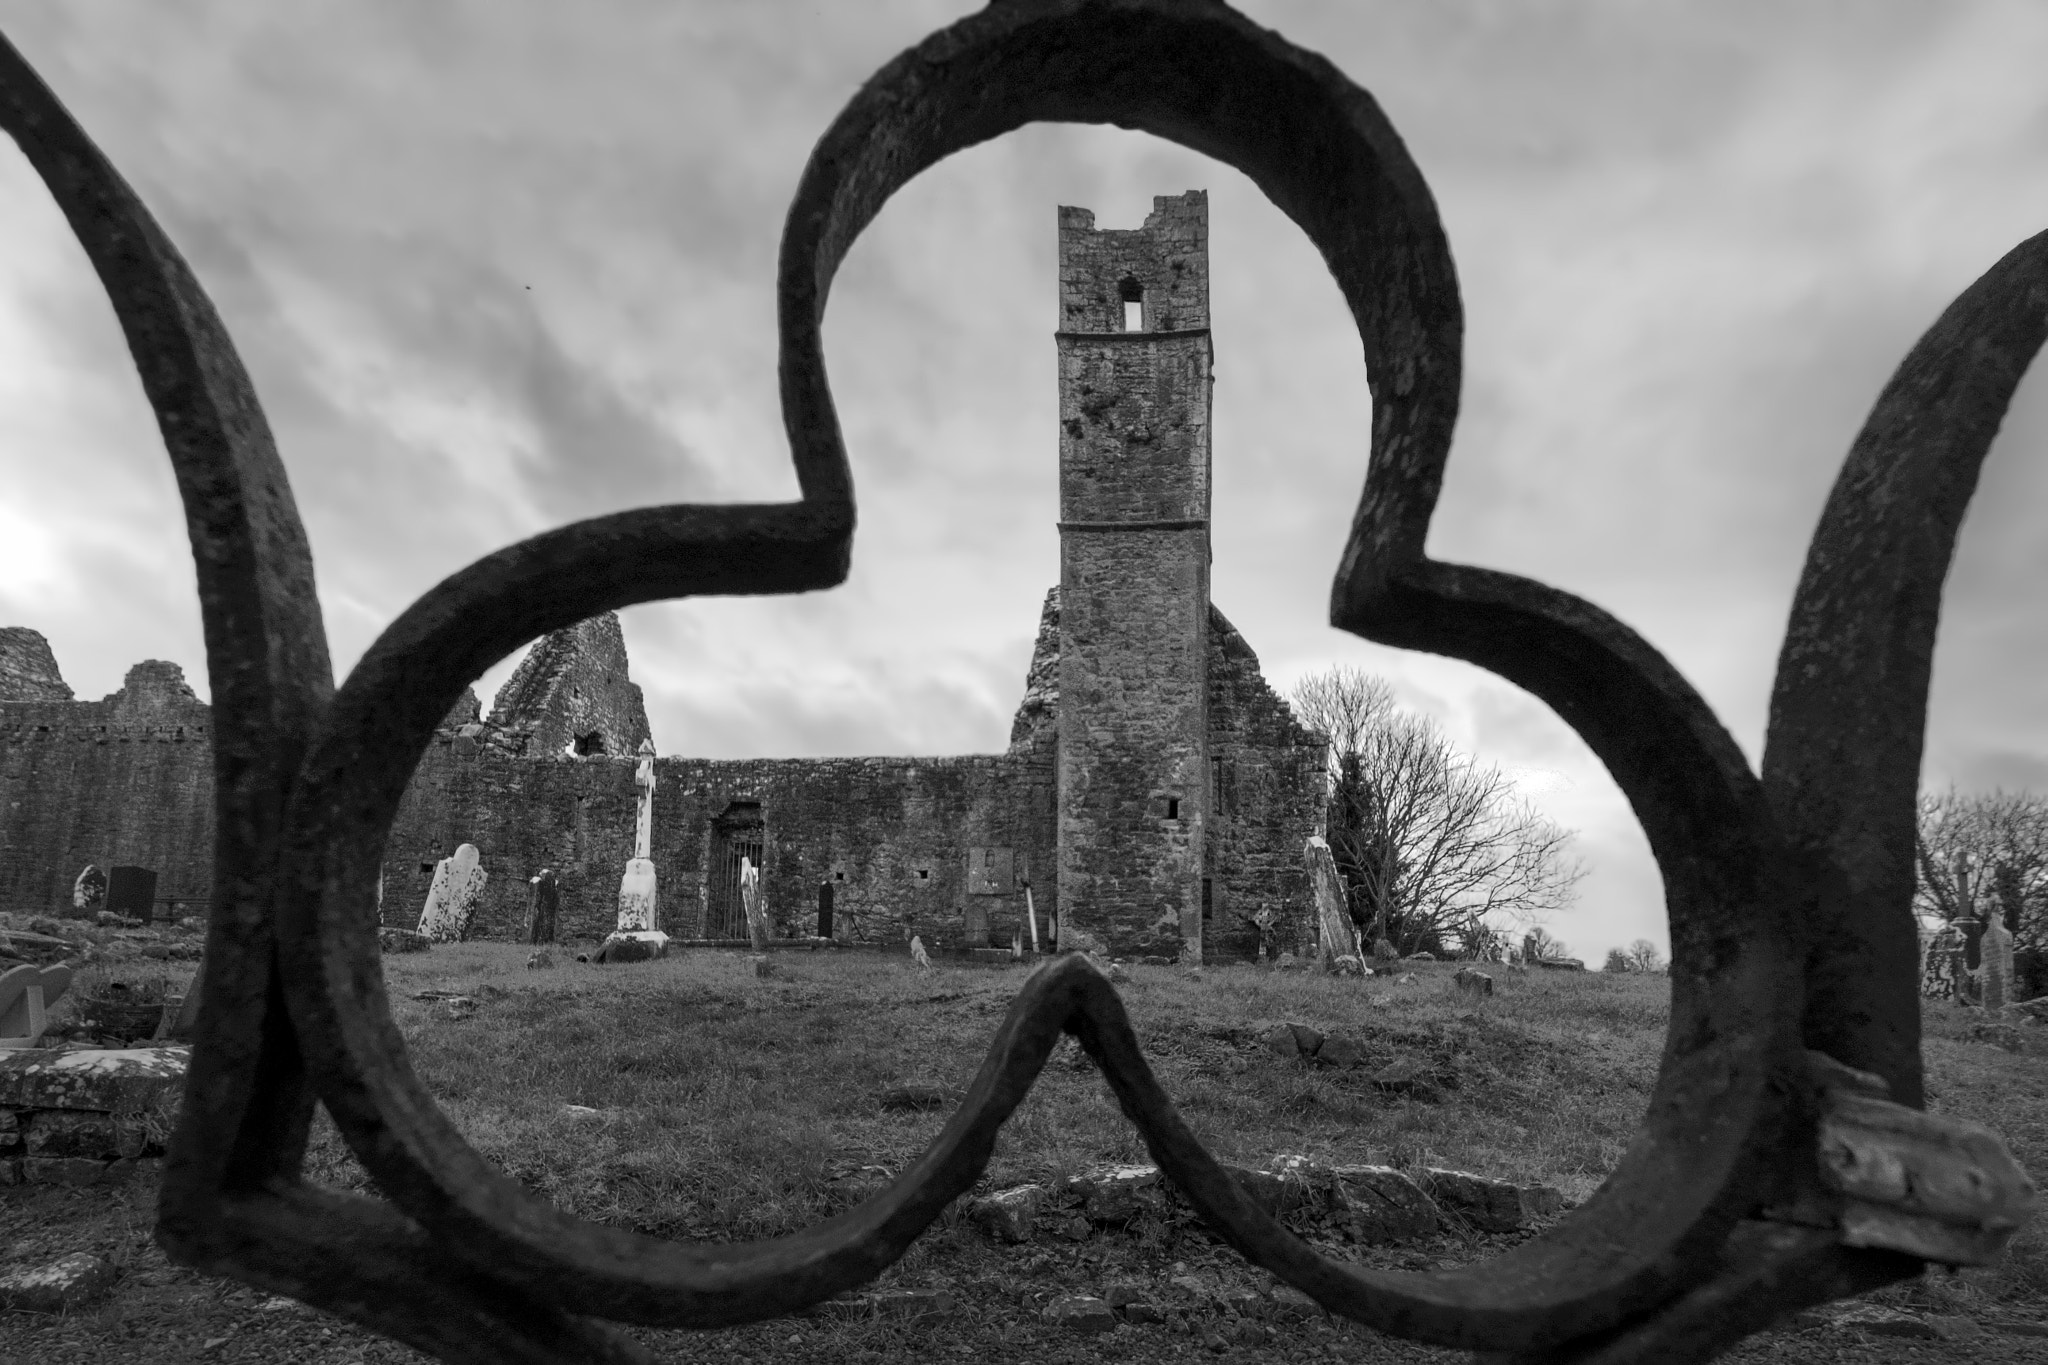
x,y
637,909
643,778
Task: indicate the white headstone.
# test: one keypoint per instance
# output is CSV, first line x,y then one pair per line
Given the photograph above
x,y
451,900
750,898
1337,936
636,898
917,952
89,892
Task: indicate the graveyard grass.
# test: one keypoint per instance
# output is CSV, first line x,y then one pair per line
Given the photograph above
x,y
714,1105
731,1107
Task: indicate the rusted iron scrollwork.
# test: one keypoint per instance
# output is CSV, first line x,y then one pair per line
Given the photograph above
x,y
1793,959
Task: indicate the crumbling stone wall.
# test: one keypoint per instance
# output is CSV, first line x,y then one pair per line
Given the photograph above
x,y
1134,577
128,779
1167,260
1266,798
28,670
1155,792
1264,793
894,837
571,693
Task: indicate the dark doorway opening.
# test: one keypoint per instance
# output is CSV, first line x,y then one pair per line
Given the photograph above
x,y
824,909
592,743
739,833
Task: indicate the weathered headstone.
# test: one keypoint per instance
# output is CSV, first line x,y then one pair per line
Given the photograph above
x,y
1338,936
1997,950
451,899
543,899
750,900
89,892
1473,983
917,952
131,891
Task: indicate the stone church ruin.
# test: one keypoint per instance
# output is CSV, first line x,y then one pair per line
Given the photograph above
x,y
1154,796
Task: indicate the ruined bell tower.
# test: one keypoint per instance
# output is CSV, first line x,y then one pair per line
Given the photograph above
x,y
1134,366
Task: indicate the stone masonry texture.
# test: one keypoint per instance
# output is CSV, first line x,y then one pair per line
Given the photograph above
x,y
1155,793
571,693
1134,579
28,670
127,779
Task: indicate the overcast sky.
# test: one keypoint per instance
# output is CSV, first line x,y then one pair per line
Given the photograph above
x,y
499,266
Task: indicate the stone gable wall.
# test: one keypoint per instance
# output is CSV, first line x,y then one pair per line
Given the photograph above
x,y
128,779
1266,798
574,686
28,670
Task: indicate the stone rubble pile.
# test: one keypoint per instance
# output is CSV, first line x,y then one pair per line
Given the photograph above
x,y
43,940
1360,1203
83,1116
1401,1076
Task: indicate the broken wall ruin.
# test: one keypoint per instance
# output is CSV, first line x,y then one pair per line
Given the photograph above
x,y
1155,792
127,779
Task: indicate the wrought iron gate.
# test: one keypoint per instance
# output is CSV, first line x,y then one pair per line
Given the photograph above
x,y
739,834
1768,1174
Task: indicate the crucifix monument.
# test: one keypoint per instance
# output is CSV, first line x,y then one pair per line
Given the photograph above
x,y
639,921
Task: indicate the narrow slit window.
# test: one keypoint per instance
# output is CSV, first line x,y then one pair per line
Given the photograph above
x,y
1133,295
1173,808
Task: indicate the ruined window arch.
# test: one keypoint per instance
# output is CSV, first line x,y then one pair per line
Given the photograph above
x,y
1133,295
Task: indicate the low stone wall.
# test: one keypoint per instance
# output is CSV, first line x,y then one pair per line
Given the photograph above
x,y
81,1116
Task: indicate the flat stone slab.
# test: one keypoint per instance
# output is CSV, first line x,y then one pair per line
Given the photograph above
x,y
110,1080
1487,1204
60,1287
639,945
1081,1313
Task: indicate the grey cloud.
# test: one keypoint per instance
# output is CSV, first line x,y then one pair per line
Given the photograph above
x,y
1694,241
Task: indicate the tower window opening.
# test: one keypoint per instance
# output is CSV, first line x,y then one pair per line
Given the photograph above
x,y
1133,295
1173,808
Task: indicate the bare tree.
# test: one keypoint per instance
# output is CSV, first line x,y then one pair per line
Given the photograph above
x,y
1617,961
1982,855
1544,947
1436,850
1643,956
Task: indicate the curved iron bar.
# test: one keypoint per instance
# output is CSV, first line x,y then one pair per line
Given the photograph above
x,y
479,1271
1162,69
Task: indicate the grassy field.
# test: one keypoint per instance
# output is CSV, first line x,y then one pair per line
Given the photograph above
x,y
732,1106
712,1104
